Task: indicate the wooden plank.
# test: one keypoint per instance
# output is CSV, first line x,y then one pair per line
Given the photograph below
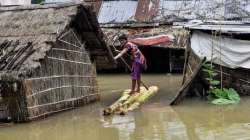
x,y
187,54
170,60
185,87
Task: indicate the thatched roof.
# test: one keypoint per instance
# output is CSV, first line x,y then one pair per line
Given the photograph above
x,y
42,24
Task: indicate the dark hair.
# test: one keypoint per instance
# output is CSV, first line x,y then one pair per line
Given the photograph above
x,y
123,37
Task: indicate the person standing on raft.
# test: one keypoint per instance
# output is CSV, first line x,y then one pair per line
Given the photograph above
x,y
138,61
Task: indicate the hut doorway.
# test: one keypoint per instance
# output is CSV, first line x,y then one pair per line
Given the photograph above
x,y
4,112
159,60
163,60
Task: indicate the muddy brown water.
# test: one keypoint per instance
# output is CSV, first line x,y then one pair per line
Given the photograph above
x,y
194,119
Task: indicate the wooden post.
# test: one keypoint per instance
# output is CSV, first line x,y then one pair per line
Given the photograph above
x,y
170,61
187,53
185,87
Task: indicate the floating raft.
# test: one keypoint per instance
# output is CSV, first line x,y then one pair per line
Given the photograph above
x,y
130,102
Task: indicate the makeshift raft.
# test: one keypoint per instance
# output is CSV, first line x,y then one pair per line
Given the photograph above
x,y
129,102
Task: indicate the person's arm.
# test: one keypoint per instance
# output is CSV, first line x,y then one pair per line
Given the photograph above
x,y
121,53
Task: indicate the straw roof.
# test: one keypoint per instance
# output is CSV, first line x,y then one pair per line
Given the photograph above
x,y
42,24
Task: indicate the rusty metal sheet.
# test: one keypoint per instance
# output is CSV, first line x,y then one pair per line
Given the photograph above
x,y
96,4
146,10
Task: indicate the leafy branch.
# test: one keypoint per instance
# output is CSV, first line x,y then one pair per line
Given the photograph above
x,y
219,96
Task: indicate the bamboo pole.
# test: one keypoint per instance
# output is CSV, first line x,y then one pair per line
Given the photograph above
x,y
130,102
111,109
136,100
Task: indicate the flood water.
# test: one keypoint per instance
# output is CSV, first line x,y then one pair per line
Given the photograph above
x,y
194,119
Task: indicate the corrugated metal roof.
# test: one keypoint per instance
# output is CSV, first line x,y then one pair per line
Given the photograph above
x,y
171,10
190,9
224,27
117,11
236,8
15,2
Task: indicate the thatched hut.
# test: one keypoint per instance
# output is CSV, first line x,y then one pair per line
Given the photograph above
x,y
48,58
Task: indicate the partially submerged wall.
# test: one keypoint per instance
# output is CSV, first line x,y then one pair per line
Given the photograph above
x,y
235,77
65,80
48,56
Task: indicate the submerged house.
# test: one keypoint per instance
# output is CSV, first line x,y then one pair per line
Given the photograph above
x,y
165,57
138,19
48,59
143,18
227,45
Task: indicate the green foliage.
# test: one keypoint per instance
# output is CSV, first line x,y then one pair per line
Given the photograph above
x,y
214,82
217,95
221,101
232,94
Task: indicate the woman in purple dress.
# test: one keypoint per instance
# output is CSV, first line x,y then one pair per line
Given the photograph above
x,y
138,61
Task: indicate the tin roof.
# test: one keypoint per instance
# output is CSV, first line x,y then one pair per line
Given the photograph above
x,y
117,11
127,11
15,2
222,26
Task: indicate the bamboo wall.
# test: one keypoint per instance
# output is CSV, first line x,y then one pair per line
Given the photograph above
x,y
231,78
66,79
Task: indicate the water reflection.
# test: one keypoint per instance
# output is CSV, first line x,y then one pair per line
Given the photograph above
x,y
194,119
156,122
124,124
148,123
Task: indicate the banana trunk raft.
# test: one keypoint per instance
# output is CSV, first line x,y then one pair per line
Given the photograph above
x,y
130,102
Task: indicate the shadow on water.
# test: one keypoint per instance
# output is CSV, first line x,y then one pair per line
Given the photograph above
x,y
194,119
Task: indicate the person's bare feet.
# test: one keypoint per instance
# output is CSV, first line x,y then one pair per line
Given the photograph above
x,y
131,92
137,91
